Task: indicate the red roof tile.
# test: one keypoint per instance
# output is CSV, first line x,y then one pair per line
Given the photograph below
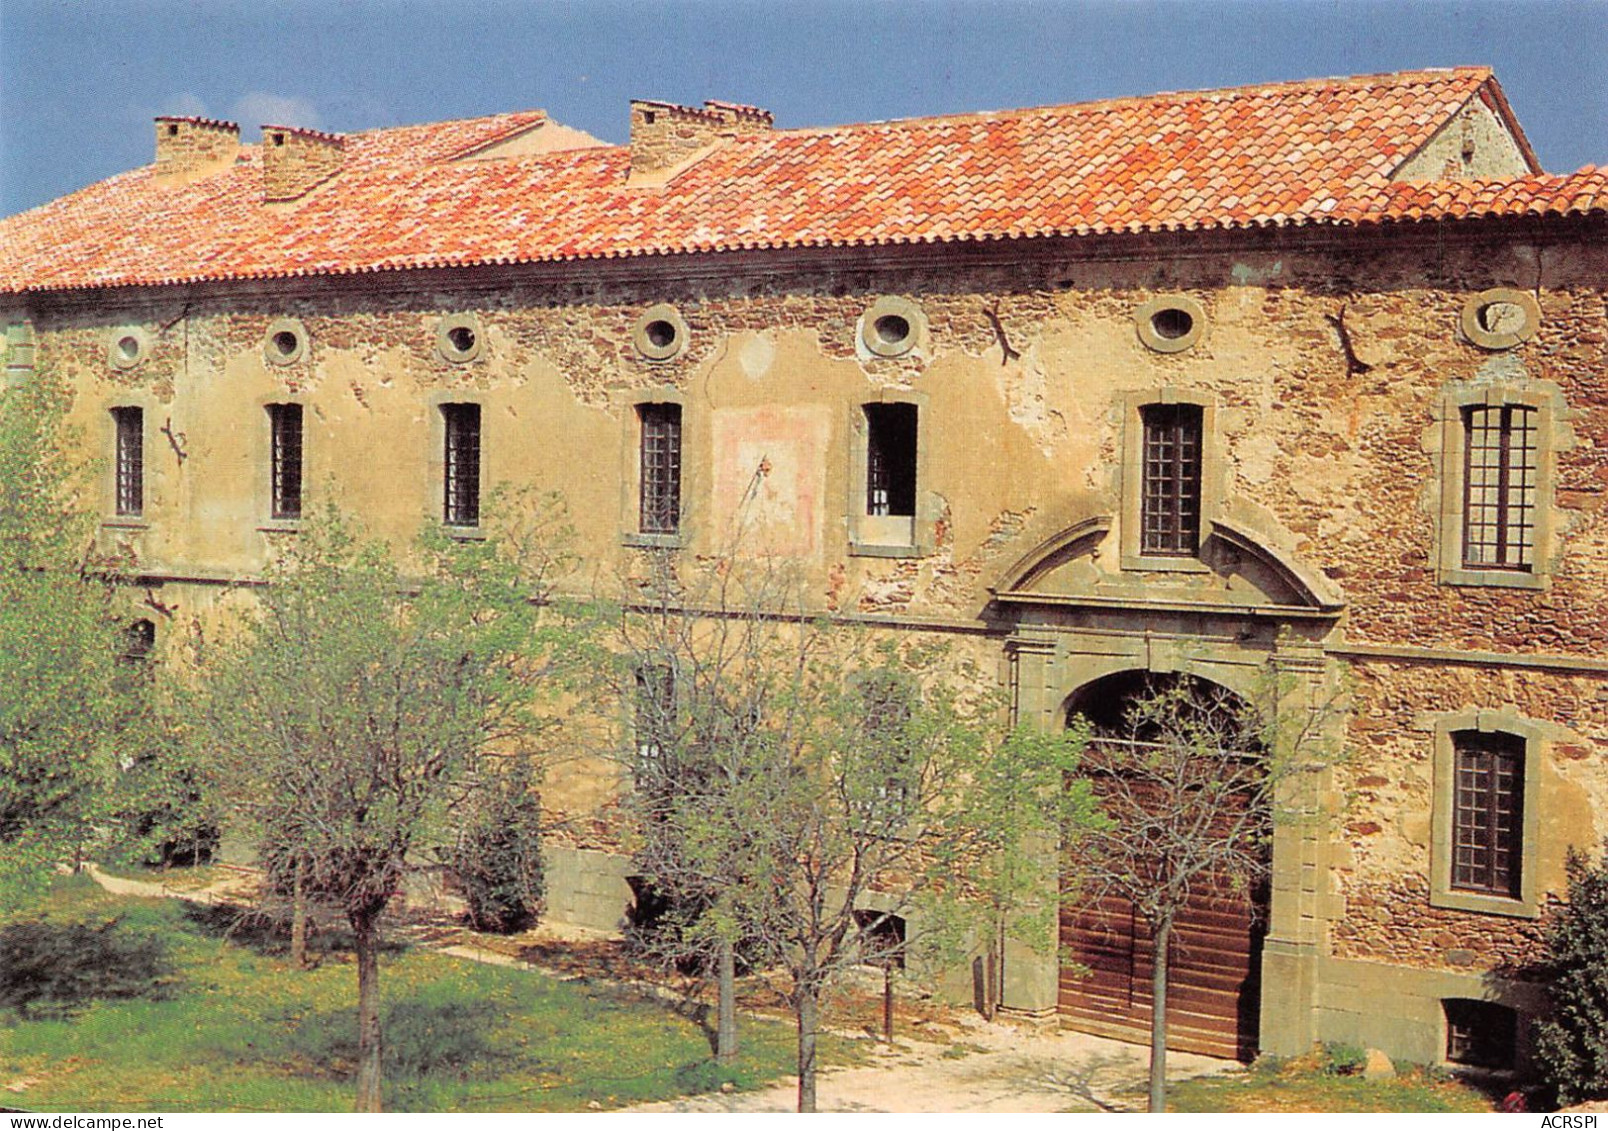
x,y
1317,152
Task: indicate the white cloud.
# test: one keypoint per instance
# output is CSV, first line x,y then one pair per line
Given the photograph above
x,y
262,109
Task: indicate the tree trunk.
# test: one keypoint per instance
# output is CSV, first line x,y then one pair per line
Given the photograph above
x,y
298,917
1158,1014
726,1031
887,1002
366,929
807,1010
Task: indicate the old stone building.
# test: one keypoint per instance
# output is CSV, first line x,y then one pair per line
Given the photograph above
x,y
1306,378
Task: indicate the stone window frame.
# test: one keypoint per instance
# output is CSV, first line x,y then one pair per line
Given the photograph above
x,y
643,341
897,307
435,460
1452,434
923,524
1537,746
1144,323
449,326
272,354
1212,470
1469,318
115,355
631,532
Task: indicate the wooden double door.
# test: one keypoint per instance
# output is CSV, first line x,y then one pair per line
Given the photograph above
x,y
1214,991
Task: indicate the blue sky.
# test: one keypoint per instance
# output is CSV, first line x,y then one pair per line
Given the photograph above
x,y
80,80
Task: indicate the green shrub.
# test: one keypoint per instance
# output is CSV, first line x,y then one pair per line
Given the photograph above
x,y
50,969
1571,1045
498,857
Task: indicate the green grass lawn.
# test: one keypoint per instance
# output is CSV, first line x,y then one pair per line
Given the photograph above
x,y
1299,1086
241,1030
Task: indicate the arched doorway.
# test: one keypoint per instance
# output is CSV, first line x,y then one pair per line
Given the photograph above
x,y
1214,988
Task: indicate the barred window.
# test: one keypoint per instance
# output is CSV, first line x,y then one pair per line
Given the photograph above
x,y
130,461
890,464
1487,812
1169,517
660,468
461,467
1499,487
285,473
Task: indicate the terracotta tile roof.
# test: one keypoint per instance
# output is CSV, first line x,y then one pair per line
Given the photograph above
x,y
1318,152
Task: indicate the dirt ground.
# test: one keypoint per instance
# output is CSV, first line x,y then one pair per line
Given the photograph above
x,y
979,1067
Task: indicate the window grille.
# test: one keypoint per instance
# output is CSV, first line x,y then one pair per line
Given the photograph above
x,y
1170,501
130,464
461,468
1487,812
890,459
285,425
661,468
1499,487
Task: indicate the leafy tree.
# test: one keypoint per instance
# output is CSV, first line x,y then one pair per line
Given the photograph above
x,y
1571,1045
351,709
1190,782
790,772
64,701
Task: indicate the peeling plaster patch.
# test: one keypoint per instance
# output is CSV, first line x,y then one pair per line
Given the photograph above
x,y
1247,275
755,355
1026,393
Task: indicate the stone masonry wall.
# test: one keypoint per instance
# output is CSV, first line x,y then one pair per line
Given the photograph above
x,y
1326,371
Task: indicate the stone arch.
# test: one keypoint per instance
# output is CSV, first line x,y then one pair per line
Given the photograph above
x,y
1214,999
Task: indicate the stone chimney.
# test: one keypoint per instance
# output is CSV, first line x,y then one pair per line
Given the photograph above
x,y
194,145
295,160
664,134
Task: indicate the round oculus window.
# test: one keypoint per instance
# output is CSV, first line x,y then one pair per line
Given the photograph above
x,y
660,333
459,338
127,347
891,327
285,342
1170,323
1500,318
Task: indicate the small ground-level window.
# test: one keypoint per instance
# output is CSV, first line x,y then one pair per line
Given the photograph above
x,y
461,465
890,459
130,460
139,640
1481,1034
882,937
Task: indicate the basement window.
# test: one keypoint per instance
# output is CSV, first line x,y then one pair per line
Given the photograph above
x,y
1480,1034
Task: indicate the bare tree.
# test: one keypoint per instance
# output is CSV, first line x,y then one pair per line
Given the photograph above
x,y
801,784
349,709
1190,783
